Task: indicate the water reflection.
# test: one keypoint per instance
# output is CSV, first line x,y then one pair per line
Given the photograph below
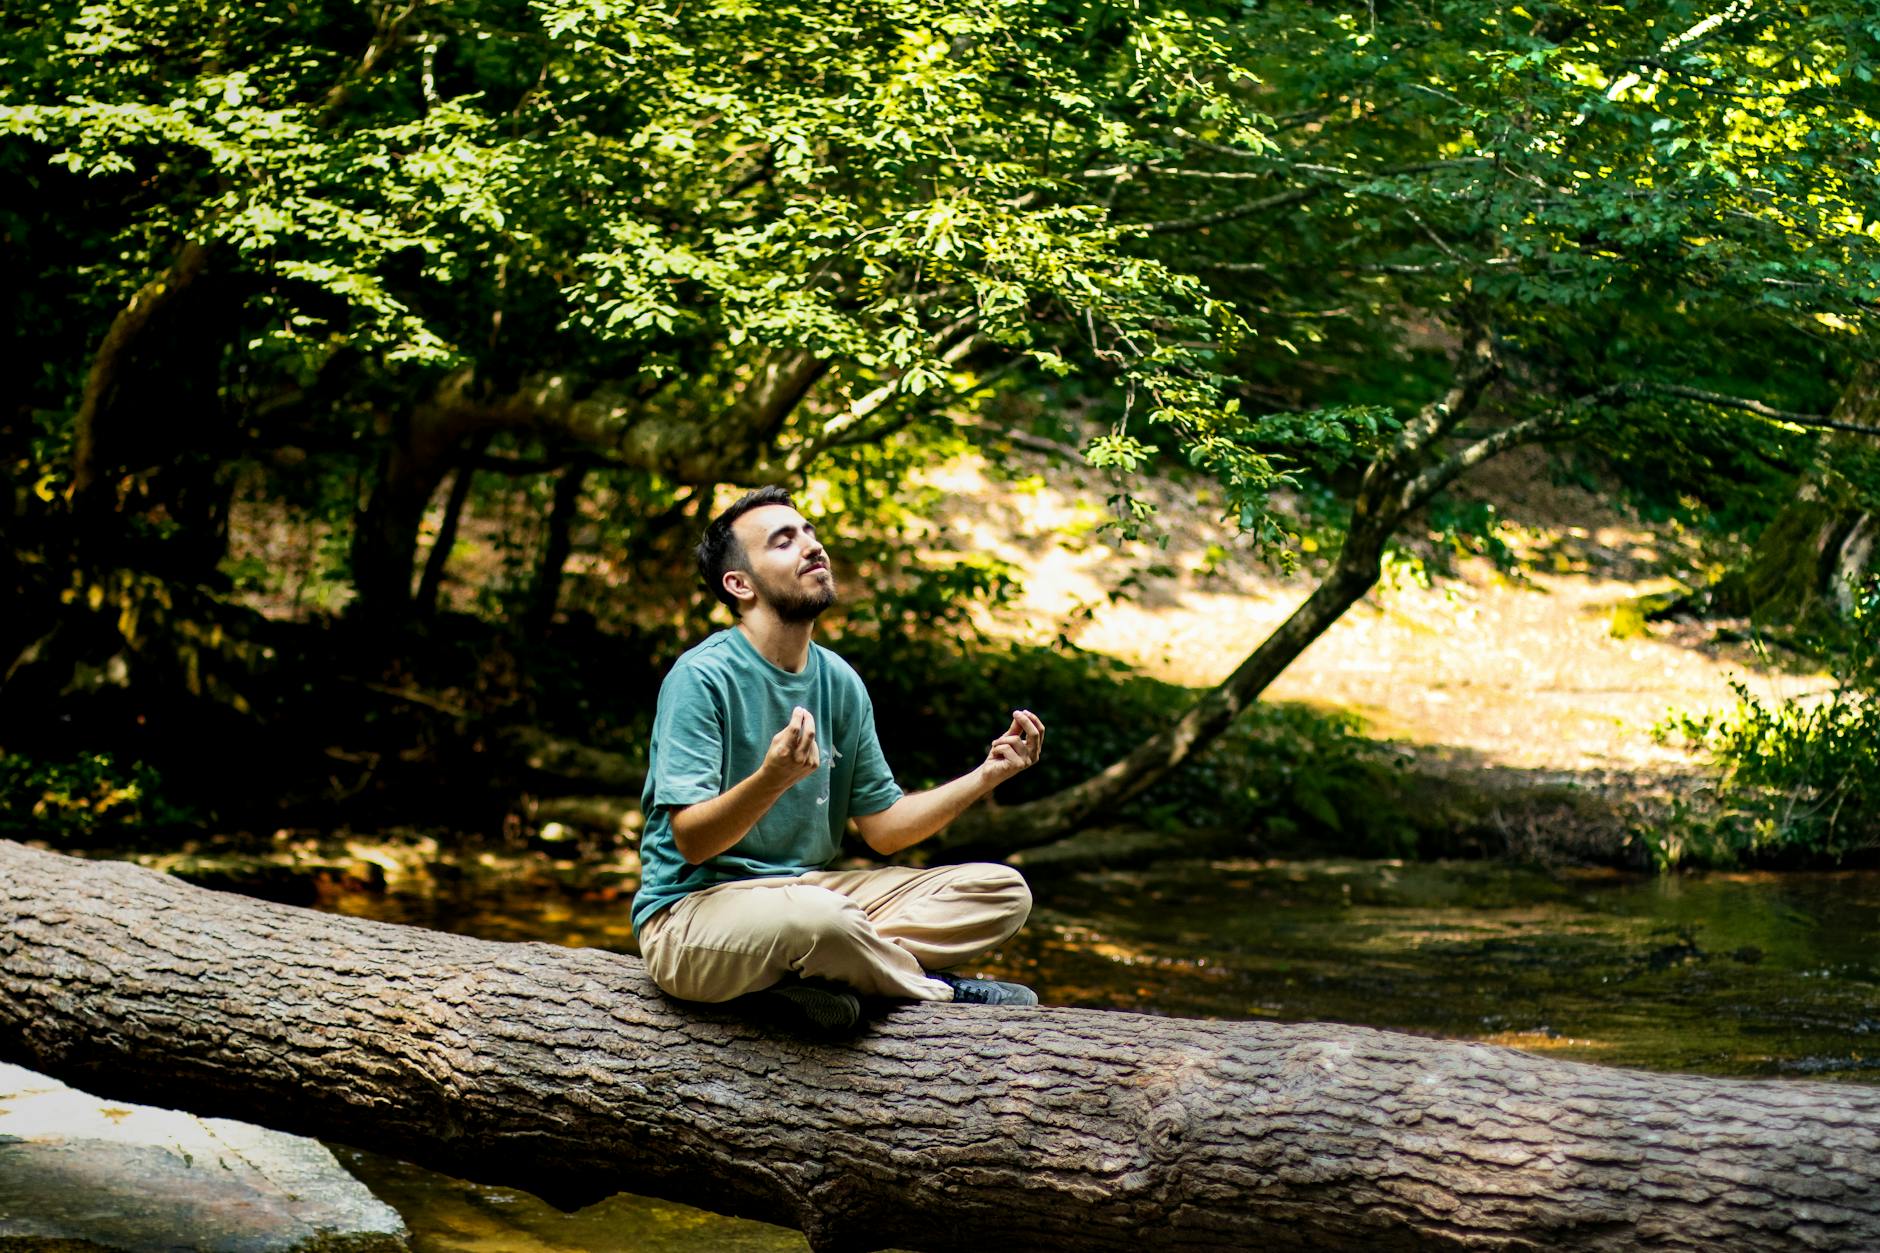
x,y
450,1216
1738,974
1724,974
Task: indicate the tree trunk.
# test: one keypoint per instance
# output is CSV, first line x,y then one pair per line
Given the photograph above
x,y
1398,481
385,535
92,456
1814,555
989,831
432,580
940,1128
546,594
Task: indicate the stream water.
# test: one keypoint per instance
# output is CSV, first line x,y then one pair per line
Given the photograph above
x,y
1745,974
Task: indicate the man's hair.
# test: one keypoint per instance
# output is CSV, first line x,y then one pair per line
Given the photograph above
x,y
719,550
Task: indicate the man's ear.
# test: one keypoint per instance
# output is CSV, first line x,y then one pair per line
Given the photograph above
x,y
738,583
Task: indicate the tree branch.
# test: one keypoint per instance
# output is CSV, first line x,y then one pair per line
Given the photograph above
x,y
1418,491
390,29
847,428
89,460
1024,439
1747,405
1278,200
1474,372
1555,423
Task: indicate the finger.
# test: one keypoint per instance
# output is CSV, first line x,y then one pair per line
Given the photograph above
x,y
1036,741
1009,741
1003,753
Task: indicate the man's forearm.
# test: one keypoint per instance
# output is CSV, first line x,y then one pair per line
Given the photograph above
x,y
916,816
702,831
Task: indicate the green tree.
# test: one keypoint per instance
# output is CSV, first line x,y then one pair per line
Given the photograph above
x,y
706,242
1634,226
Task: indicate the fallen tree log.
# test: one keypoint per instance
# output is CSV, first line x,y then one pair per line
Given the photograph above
x,y
564,1072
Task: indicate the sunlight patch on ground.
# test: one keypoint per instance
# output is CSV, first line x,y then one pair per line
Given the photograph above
x,y
1522,672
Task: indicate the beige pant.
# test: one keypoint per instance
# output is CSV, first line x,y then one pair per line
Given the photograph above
x,y
876,931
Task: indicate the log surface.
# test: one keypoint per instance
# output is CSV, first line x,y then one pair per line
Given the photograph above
x,y
563,1071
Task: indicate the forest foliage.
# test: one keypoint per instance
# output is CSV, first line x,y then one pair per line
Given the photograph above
x,y
571,266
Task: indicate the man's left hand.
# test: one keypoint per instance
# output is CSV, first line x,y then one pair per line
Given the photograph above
x,y
1018,749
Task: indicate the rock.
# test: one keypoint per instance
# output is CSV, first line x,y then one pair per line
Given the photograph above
x,y
77,1172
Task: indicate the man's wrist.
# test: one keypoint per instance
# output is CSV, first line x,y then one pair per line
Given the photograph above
x,y
774,780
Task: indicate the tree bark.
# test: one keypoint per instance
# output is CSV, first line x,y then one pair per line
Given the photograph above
x,y
545,596
941,1128
1816,553
92,460
431,582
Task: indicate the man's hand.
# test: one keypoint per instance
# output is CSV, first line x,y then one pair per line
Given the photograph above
x,y
915,817
704,830
1018,749
794,754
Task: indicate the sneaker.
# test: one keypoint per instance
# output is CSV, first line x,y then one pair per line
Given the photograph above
x,y
810,1008
985,991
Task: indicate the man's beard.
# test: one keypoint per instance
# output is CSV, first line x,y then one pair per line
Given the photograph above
x,y
793,603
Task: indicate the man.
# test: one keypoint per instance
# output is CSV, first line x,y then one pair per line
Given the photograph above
x,y
763,749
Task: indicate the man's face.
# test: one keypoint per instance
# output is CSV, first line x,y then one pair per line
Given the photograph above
x,y
784,564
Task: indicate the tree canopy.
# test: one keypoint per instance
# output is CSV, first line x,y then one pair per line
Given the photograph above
x,y
640,251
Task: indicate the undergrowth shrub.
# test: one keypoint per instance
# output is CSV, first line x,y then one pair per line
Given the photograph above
x,y
83,798
1281,769
1798,779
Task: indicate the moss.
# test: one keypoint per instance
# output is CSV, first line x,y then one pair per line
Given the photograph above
x,y
1782,579
1629,617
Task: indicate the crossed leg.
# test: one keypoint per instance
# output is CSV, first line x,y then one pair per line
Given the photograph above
x,y
875,931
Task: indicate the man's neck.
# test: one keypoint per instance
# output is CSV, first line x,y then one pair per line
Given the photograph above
x,y
783,644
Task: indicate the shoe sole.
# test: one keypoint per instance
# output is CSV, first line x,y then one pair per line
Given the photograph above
x,y
824,1012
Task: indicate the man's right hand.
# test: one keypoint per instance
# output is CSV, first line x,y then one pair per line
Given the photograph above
x,y
704,830
794,754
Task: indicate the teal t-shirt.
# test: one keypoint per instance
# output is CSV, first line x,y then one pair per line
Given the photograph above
x,y
718,709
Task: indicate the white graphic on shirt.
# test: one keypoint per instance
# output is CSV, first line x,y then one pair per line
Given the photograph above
x,y
828,768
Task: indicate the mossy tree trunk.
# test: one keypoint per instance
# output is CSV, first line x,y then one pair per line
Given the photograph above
x,y
1811,559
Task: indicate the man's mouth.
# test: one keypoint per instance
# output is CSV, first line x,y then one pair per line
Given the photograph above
x,y
814,566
